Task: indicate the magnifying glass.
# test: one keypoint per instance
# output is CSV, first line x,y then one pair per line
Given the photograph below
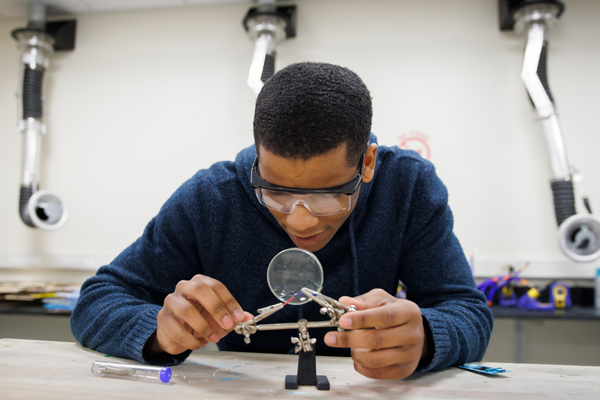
x,y
290,271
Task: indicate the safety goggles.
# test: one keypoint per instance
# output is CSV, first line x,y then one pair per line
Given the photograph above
x,y
319,202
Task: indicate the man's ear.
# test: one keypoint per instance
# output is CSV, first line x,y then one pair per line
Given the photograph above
x,y
370,160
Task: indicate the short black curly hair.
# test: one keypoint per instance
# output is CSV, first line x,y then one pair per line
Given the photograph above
x,y
308,109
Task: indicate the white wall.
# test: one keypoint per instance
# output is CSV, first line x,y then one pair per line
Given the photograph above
x,y
149,97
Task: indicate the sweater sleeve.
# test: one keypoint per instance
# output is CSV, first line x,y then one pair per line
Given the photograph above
x,y
117,309
438,278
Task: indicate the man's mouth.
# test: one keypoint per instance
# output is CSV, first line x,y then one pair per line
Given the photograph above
x,y
308,241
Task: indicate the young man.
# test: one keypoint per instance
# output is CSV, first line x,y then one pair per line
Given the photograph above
x,y
315,179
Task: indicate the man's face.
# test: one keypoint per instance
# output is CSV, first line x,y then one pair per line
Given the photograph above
x,y
327,170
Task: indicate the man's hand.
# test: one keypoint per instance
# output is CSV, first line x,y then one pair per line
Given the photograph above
x,y
394,348
200,310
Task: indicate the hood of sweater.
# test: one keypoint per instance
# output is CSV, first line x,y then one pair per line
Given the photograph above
x,y
344,239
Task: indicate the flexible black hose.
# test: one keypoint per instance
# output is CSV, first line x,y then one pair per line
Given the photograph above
x,y
586,202
268,68
25,195
32,108
564,200
542,70
32,93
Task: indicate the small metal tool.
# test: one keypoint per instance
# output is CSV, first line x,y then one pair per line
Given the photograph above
x,y
333,308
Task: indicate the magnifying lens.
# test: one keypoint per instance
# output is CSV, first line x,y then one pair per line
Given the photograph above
x,y
290,271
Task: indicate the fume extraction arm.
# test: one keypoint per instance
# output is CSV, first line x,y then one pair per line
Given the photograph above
x,y
267,25
37,42
578,233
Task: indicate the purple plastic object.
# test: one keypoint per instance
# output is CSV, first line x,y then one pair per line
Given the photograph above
x,y
165,375
510,301
488,285
530,303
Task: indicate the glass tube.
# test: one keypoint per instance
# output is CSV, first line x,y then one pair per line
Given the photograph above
x,y
131,371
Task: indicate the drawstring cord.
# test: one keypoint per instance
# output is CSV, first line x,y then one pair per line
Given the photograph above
x,y
354,257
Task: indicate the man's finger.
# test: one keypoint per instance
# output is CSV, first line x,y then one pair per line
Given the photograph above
x,y
173,331
204,292
184,311
166,344
215,297
398,371
371,299
366,338
383,358
388,315
217,329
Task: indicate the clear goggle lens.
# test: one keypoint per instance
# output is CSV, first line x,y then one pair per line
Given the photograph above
x,y
318,204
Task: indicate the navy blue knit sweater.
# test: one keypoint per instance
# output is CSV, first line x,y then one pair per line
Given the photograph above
x,y
400,229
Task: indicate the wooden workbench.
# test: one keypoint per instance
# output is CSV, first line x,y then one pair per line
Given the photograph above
x,y
60,370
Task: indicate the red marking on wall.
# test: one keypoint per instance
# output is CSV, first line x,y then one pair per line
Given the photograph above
x,y
415,141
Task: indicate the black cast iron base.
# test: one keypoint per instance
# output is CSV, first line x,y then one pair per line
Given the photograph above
x,y
307,374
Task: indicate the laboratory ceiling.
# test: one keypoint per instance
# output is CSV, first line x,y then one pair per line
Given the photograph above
x,y
16,9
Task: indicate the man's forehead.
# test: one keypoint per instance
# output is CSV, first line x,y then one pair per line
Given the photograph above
x,y
323,170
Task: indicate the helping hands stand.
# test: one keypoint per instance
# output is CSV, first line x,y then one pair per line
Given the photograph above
x,y
307,371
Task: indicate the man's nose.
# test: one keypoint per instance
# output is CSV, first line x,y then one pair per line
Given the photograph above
x,y
301,219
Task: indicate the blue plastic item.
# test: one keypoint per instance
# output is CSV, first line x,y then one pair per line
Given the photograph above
x,y
482,369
